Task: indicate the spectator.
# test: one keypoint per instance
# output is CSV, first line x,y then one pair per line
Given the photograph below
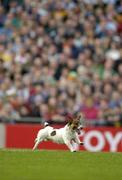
x,y
61,56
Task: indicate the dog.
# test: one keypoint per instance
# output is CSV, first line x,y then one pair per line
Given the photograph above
x,y
67,135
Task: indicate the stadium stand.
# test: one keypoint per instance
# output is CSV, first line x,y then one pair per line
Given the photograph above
x,y
61,56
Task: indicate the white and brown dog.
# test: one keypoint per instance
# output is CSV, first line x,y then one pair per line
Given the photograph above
x,y
67,135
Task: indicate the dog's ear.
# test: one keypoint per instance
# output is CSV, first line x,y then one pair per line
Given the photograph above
x,y
69,119
69,123
80,116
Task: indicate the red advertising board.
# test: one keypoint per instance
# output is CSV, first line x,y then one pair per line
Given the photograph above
x,y
95,139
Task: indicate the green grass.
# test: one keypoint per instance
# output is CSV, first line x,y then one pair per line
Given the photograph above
x,y
59,165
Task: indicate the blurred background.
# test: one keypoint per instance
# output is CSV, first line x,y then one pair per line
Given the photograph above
x,y
58,57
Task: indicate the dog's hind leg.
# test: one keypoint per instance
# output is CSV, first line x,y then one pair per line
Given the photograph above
x,y
37,143
35,140
69,145
41,136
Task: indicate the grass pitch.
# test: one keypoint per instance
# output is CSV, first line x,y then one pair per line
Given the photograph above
x,y
59,165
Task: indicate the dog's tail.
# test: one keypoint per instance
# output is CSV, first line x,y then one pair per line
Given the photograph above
x,y
46,124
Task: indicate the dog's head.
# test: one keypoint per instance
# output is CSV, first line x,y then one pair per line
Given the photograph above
x,y
74,125
75,121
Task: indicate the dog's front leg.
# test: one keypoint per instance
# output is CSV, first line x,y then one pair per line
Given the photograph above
x,y
77,140
69,145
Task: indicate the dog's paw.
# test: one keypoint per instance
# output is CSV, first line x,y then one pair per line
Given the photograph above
x,y
81,143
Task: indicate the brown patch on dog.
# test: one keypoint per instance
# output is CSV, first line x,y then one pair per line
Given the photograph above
x,y
53,133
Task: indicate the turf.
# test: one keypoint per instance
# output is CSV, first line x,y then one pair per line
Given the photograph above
x,y
59,165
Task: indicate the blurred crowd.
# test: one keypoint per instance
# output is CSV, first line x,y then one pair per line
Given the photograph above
x,y
59,56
